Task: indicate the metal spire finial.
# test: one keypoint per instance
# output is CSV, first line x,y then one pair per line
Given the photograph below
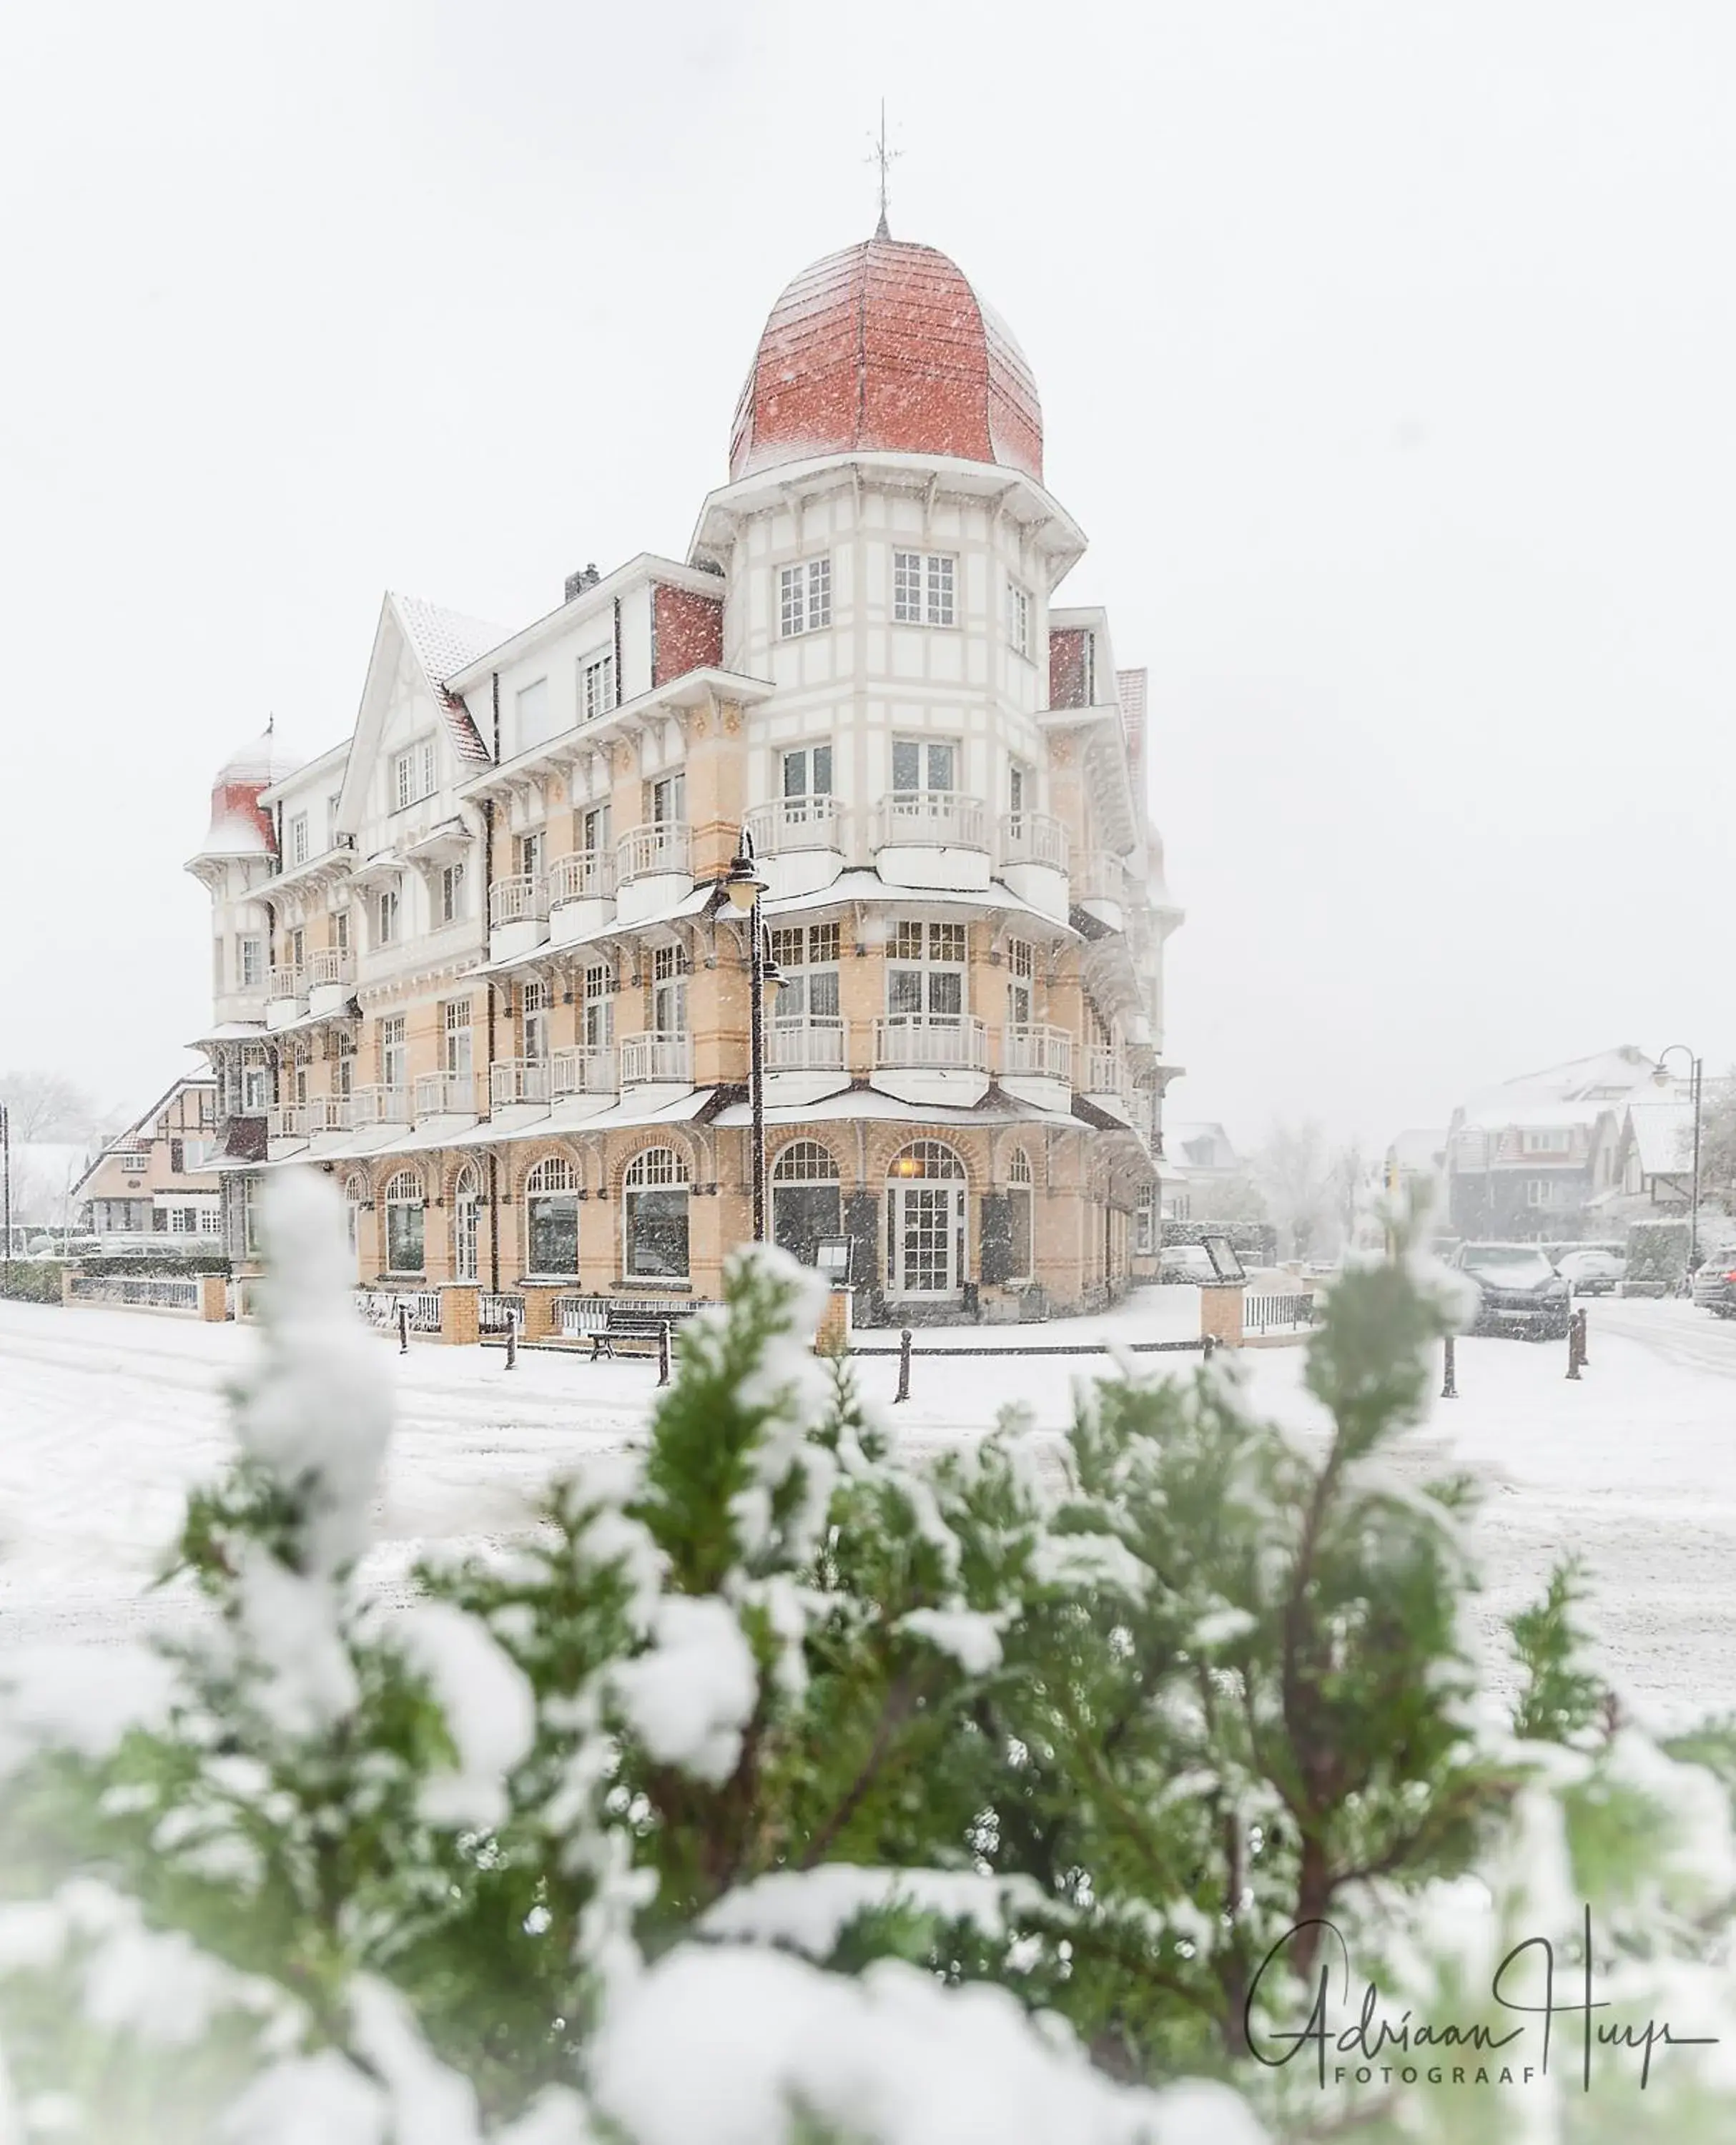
x,y
885,158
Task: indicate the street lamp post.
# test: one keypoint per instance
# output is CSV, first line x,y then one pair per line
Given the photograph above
x,y
742,887
1695,1067
6,1189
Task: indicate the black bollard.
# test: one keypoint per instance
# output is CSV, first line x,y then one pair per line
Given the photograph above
x,y
1208,1345
1584,1338
903,1391
663,1353
1449,1382
512,1340
1572,1345
403,1328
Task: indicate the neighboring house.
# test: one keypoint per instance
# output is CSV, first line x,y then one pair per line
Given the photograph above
x,y
1198,1161
151,1185
1532,1160
477,963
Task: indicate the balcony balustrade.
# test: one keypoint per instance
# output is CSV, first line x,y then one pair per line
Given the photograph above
x,y
446,1095
331,964
287,982
286,1121
1037,1053
917,1040
666,846
1034,837
582,1071
587,876
1099,877
1106,1071
931,818
791,823
330,1113
820,1043
515,1080
379,1105
519,899
656,1057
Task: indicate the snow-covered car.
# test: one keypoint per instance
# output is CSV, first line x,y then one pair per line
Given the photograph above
x,y
1518,1290
1714,1282
1591,1271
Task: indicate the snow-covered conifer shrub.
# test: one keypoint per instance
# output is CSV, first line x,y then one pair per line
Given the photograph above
x,y
776,1789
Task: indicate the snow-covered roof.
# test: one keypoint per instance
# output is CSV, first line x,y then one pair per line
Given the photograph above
x,y
1202,1146
1606,1076
1503,1110
445,642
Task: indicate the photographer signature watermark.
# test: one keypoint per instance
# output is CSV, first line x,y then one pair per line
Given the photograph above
x,y
1526,1984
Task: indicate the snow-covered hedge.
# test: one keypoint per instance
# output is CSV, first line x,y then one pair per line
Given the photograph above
x,y
778,1791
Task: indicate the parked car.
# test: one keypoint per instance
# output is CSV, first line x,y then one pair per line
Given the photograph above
x,y
1714,1282
1518,1290
1589,1269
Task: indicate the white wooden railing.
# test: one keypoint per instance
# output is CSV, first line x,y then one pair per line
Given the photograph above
x,y
379,1105
331,964
180,1292
797,823
287,982
330,1113
286,1121
582,1071
517,900
1037,1053
661,1058
932,818
587,876
446,1095
1106,1071
513,1080
664,847
1098,877
921,1039
820,1043
1033,837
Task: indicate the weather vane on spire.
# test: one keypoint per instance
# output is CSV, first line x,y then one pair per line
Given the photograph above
x,y
885,158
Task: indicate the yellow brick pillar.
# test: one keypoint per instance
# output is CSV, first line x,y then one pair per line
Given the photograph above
x,y
460,1303
539,1308
1221,1304
837,1324
213,1298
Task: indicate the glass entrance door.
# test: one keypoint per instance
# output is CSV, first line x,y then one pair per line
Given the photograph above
x,y
928,1238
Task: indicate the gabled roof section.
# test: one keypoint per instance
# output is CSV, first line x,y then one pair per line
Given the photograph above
x,y
445,642
124,1140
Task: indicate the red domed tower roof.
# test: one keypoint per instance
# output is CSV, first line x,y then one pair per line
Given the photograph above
x,y
886,345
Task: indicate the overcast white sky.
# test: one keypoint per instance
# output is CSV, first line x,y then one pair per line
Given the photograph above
x,y
1386,349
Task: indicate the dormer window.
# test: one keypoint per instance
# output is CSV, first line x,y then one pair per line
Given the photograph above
x,y
596,684
413,775
804,598
296,839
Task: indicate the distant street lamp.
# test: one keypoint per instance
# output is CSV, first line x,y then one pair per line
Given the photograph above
x,y
1662,1076
742,887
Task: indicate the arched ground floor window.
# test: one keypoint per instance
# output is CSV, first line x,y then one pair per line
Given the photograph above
x,y
926,1208
466,1202
1021,1219
403,1219
355,1198
653,1215
807,1199
551,1218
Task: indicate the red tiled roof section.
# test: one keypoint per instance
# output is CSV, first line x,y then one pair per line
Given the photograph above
x,y
886,345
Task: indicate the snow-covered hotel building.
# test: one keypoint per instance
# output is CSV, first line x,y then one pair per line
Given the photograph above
x,y
474,961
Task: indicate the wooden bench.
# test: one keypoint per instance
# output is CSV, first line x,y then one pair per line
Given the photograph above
x,y
643,1326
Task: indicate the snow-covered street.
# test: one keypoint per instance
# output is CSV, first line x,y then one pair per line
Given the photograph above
x,y
107,1417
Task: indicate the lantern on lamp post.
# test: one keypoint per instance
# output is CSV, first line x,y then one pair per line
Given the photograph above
x,y
742,886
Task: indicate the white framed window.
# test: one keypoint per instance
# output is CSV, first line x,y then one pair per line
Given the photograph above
x,y
807,1199
1554,1142
255,1090
551,1218
295,839
467,1201
340,930
386,917
924,766
1018,619
1021,981
134,1162
294,946
654,1221
455,1036
809,959
537,998
925,971
598,1020
1022,1234
1145,1226
1546,1192
413,775
392,1058
532,712
333,804
596,684
355,1198
450,901
669,990
249,1216
922,588
804,598
529,851
593,827
251,948
666,800
807,774
403,1222
183,1222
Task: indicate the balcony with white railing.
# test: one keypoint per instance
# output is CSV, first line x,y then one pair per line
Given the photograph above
x,y
1099,877
286,1121
1037,1052
820,1043
791,823
653,868
933,837
517,900
1106,1071
1034,837
331,965
379,1105
588,875
583,1071
660,1059
329,1114
921,1041
513,1081
287,982
446,1095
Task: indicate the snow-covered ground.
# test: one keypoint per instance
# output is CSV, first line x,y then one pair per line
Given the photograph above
x,y
106,1417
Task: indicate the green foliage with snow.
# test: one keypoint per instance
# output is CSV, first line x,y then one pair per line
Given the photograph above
x,y
777,1789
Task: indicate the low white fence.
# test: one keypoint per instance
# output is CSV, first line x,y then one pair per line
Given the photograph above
x,y
163,1293
1276,1314
380,1307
